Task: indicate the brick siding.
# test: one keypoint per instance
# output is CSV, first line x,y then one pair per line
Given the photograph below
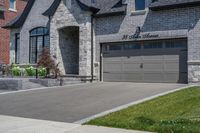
x,y
5,17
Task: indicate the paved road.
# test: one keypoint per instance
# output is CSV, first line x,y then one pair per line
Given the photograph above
x,y
73,103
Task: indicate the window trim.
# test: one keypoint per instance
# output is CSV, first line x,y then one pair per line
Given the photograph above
x,y
15,6
43,42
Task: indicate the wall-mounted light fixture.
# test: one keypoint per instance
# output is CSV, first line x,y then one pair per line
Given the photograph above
x,y
138,30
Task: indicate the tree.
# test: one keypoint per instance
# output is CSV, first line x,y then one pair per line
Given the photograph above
x,y
48,62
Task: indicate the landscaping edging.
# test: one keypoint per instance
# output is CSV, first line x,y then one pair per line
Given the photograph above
x,y
10,84
47,82
57,82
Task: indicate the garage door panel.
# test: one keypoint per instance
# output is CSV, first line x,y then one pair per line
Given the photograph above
x,y
112,76
172,57
132,77
132,59
166,61
154,66
171,77
112,59
151,57
153,76
172,66
131,67
112,67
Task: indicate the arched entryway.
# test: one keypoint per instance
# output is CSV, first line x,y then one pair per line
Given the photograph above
x,y
69,47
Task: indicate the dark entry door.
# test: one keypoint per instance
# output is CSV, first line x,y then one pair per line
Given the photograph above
x,y
153,61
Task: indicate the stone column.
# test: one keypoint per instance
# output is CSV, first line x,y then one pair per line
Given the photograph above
x,y
85,50
194,54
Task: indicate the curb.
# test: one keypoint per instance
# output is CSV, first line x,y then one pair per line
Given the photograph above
x,y
128,105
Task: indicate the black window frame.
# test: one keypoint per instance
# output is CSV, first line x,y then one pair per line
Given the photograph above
x,y
153,45
17,37
132,46
37,35
175,44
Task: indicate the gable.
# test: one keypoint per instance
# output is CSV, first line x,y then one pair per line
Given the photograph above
x,y
100,7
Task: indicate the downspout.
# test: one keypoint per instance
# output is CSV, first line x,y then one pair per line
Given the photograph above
x,y
92,48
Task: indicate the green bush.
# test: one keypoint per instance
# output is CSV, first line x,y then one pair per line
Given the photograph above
x,y
42,72
30,71
16,70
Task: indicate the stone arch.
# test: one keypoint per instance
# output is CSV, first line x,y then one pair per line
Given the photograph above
x,y
69,48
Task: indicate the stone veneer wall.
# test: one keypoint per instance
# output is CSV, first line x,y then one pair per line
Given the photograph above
x,y
65,17
174,23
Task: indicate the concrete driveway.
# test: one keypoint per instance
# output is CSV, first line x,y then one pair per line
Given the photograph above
x,y
73,103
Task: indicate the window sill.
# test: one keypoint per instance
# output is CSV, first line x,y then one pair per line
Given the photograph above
x,y
12,10
141,12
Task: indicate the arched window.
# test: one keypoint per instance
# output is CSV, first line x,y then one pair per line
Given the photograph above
x,y
39,39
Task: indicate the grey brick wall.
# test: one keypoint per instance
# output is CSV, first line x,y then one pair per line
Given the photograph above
x,y
35,19
174,23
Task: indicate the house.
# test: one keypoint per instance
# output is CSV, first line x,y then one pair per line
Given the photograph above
x,y
113,40
9,9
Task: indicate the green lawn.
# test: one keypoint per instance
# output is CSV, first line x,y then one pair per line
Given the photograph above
x,y
178,112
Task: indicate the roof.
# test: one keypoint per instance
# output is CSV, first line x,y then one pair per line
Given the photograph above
x,y
110,7
20,19
169,4
52,9
100,7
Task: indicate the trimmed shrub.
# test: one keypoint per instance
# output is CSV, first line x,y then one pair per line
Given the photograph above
x,y
30,71
16,70
42,72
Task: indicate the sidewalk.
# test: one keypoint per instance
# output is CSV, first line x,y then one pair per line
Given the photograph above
x,y
23,125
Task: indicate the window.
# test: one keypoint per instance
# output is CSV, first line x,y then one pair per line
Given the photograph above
x,y
12,5
132,46
17,48
176,44
139,5
114,47
39,39
153,45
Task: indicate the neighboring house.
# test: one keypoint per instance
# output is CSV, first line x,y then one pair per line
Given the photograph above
x,y
9,9
114,40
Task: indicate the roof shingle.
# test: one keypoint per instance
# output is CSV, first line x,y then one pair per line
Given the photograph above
x,y
169,4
